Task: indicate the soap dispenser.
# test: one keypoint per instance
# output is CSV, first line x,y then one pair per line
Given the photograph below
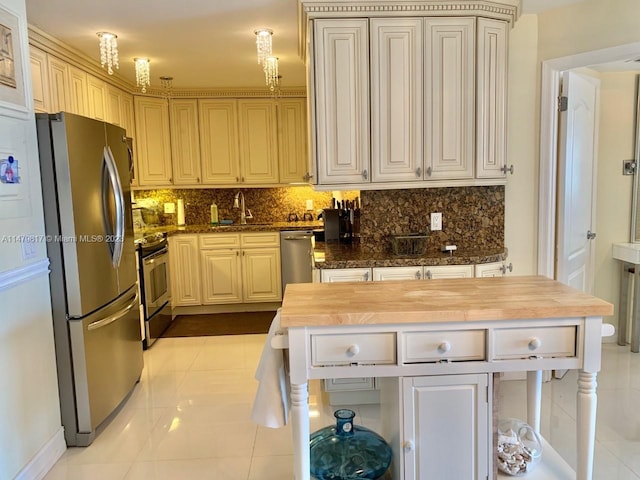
x,y
214,213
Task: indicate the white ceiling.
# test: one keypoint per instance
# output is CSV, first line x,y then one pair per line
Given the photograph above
x,y
200,43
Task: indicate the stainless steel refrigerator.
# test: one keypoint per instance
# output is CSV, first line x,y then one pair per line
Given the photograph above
x,y
85,184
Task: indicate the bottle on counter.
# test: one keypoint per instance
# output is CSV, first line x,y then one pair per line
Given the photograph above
x,y
214,213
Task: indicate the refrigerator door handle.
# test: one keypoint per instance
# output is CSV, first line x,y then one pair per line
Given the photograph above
x,y
116,316
117,240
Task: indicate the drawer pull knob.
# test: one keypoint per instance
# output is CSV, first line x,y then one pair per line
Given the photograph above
x,y
407,446
353,350
444,347
535,343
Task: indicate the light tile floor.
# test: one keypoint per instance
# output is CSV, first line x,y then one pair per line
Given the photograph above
x,y
189,418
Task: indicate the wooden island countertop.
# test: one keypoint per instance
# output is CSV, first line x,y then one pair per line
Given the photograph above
x,y
442,300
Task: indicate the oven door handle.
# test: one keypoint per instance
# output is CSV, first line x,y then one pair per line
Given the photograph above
x,y
153,257
116,316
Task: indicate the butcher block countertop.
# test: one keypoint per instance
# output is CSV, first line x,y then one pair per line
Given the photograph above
x,y
442,300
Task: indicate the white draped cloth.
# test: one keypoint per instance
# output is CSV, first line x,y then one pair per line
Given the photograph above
x,y
272,402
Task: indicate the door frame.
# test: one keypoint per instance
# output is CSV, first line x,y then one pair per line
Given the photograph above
x,y
547,190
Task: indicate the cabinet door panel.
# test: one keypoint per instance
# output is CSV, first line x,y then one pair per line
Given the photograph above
x,y
185,144
449,97
491,142
292,131
494,269
128,122
345,275
79,94
342,100
396,100
219,141
449,271
153,149
446,419
113,104
59,83
397,273
185,270
258,141
97,98
40,80
261,279
221,276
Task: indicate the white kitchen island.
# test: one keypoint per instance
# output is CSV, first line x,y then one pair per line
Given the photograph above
x,y
435,346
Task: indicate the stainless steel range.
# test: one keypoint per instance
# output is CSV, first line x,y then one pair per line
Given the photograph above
x,y
155,289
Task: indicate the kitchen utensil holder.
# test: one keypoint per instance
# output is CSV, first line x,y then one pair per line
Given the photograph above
x,y
409,244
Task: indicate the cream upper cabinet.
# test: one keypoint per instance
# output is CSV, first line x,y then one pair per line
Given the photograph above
x,y
185,142
492,59
449,97
258,138
342,100
292,144
59,84
396,99
184,270
153,148
97,95
79,93
219,141
39,80
113,97
128,123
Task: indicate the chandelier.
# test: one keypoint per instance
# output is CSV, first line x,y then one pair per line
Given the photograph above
x,y
108,51
263,43
142,73
271,77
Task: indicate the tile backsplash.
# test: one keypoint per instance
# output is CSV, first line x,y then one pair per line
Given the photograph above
x,y
473,217
266,204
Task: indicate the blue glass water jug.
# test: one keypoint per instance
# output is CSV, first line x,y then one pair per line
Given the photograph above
x,y
347,451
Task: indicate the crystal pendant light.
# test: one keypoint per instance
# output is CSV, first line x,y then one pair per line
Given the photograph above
x,y
271,76
142,73
263,43
108,51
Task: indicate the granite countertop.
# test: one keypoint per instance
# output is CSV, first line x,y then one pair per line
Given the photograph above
x,y
233,228
344,255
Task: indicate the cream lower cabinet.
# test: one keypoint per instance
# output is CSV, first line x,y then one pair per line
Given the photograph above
x,y
445,427
240,268
345,275
449,271
184,270
494,269
397,273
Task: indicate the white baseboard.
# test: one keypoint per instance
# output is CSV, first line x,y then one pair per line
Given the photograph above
x,y
45,459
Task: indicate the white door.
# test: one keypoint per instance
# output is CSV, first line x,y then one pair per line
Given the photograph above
x,y
577,154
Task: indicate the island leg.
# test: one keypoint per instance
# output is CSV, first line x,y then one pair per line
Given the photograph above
x,y
300,427
534,398
622,306
586,423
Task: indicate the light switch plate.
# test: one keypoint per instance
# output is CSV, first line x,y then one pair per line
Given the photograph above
x,y
436,221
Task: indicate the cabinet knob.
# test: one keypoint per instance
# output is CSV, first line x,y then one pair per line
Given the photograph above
x,y
365,174
419,172
444,347
407,446
307,177
504,169
353,350
418,276
504,268
535,343
366,276
591,235
428,275
197,179
429,171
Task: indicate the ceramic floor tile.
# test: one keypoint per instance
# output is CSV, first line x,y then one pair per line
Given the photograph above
x,y
194,469
272,468
273,441
108,471
157,390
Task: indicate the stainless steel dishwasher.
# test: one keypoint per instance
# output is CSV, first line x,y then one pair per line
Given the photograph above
x,y
296,256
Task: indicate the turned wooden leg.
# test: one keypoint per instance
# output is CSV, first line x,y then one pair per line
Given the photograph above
x,y
534,398
300,427
586,424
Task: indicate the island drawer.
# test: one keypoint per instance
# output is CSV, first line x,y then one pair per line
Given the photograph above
x,y
455,345
511,343
220,240
347,349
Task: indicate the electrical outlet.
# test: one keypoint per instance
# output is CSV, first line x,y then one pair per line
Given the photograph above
x,y
436,221
28,248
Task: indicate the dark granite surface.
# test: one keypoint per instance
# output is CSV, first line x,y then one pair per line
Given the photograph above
x,y
249,227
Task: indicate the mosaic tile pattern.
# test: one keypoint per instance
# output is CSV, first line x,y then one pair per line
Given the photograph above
x,y
472,218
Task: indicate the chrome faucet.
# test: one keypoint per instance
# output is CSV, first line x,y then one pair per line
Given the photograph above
x,y
238,202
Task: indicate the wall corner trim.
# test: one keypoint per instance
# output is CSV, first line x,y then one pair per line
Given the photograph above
x,y
45,458
16,276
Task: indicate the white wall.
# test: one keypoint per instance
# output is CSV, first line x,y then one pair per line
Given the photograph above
x,y
30,427
615,191
521,193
